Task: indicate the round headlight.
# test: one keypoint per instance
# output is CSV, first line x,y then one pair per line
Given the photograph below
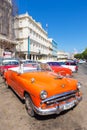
x,y
79,85
43,94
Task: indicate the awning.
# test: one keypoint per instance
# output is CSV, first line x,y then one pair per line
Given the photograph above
x,y
5,40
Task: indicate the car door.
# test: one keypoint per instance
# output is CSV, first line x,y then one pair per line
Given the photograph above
x,y
17,83
12,79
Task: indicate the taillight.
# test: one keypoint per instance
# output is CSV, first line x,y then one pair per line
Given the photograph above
x,y
5,70
76,67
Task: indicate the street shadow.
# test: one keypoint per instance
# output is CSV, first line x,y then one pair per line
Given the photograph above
x,y
21,100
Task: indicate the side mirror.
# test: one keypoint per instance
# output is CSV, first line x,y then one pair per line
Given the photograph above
x,y
18,73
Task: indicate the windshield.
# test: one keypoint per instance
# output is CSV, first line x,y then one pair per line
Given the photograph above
x,y
35,67
10,63
53,63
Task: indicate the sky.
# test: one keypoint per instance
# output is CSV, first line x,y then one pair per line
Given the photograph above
x,y
66,20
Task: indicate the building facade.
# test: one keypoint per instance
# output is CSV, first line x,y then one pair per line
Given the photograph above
x,y
33,40
7,42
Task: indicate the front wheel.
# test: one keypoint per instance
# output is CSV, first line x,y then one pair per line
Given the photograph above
x,y
29,106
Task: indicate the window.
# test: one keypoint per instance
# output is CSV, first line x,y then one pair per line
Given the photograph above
x,y
21,33
20,23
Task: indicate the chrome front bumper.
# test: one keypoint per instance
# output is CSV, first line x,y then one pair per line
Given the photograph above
x,y
57,109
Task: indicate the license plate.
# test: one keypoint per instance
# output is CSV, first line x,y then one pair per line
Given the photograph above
x,y
67,106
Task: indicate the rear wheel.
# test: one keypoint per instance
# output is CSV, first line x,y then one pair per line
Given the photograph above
x,y
29,106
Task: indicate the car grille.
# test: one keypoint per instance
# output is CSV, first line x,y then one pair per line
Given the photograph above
x,y
60,97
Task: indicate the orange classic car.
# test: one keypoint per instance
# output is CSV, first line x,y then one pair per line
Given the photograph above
x,y
43,91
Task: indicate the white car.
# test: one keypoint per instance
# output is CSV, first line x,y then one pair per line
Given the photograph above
x,y
71,65
82,61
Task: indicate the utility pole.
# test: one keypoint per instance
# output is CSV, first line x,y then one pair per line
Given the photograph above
x,y
28,47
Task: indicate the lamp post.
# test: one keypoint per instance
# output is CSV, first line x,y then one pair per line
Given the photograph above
x,y
28,47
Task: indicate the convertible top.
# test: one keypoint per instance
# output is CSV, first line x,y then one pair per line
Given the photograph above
x,y
20,69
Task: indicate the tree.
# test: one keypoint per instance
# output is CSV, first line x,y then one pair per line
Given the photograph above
x,y
85,54
82,55
77,56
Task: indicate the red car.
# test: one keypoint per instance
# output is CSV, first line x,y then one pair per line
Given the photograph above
x,y
7,63
59,69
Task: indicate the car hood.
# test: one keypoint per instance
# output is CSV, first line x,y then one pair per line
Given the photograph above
x,y
50,82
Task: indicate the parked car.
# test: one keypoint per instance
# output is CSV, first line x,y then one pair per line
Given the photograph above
x,y
82,61
70,64
29,63
60,69
73,64
7,63
43,91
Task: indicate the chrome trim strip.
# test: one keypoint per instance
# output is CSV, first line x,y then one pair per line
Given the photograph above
x,y
58,96
60,99
57,109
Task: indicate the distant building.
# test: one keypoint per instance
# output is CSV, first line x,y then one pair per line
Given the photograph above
x,y
54,49
71,56
7,42
32,38
61,55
